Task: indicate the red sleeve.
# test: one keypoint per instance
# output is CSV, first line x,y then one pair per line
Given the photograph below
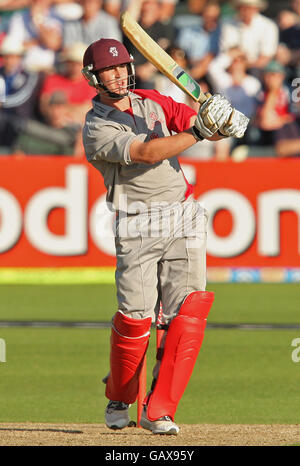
x,y
177,115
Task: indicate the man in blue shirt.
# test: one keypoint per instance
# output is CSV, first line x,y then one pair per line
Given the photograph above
x,y
201,41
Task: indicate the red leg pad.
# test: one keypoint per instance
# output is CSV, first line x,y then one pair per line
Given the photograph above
x,y
129,343
182,346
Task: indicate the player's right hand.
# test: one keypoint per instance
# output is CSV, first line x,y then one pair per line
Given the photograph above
x,y
212,115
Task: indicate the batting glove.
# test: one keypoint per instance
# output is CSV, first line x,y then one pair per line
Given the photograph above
x,y
212,115
236,125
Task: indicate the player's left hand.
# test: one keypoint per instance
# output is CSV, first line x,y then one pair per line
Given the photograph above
x,y
235,126
212,115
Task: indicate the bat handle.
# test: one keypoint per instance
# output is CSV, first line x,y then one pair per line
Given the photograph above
x,y
203,97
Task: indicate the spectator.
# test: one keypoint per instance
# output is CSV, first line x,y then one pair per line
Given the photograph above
x,y
7,9
94,24
253,32
116,7
39,29
228,75
287,138
163,34
70,80
201,41
67,10
274,106
288,52
58,135
167,10
295,4
191,17
22,90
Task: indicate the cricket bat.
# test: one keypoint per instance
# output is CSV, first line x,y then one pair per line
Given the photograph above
x,y
160,59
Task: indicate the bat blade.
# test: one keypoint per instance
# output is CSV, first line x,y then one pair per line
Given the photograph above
x,y
160,59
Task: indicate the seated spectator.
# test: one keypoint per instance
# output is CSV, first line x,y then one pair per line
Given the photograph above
x,y
229,76
57,136
295,5
191,17
288,52
274,105
201,41
167,10
22,90
67,10
162,33
253,32
7,9
71,82
113,7
39,29
116,7
94,24
287,138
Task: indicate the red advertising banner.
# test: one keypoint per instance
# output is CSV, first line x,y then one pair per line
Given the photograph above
x,y
53,212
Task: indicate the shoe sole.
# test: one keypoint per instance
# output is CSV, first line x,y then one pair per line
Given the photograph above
x,y
146,425
116,427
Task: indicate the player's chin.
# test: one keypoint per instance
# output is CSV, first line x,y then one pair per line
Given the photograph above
x,y
120,92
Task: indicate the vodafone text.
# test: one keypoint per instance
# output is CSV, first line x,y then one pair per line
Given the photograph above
x,y
257,224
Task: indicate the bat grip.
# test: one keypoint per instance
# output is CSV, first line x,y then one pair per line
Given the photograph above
x,y
203,97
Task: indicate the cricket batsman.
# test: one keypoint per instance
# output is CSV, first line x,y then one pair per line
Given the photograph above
x,y
160,234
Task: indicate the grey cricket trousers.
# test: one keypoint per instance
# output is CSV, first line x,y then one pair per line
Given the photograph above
x,y
161,258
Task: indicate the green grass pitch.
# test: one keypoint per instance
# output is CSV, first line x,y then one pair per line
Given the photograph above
x,y
241,376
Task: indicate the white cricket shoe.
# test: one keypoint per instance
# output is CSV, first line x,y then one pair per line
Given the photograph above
x,y
163,425
116,415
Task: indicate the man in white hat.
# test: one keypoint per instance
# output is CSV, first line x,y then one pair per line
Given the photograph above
x,y
252,31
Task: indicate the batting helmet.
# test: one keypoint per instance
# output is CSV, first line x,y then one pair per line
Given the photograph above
x,y
105,53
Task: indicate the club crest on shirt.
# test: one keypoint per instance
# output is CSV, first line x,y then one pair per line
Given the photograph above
x,y
153,116
154,120
113,51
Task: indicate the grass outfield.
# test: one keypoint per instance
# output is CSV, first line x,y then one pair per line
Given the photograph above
x,y
241,376
234,303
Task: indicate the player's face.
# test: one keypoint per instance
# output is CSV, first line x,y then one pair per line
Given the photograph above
x,y
115,79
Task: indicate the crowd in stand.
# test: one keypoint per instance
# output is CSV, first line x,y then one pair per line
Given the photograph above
x,y
230,47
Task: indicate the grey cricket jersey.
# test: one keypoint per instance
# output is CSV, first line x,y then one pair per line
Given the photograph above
x,y
107,136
